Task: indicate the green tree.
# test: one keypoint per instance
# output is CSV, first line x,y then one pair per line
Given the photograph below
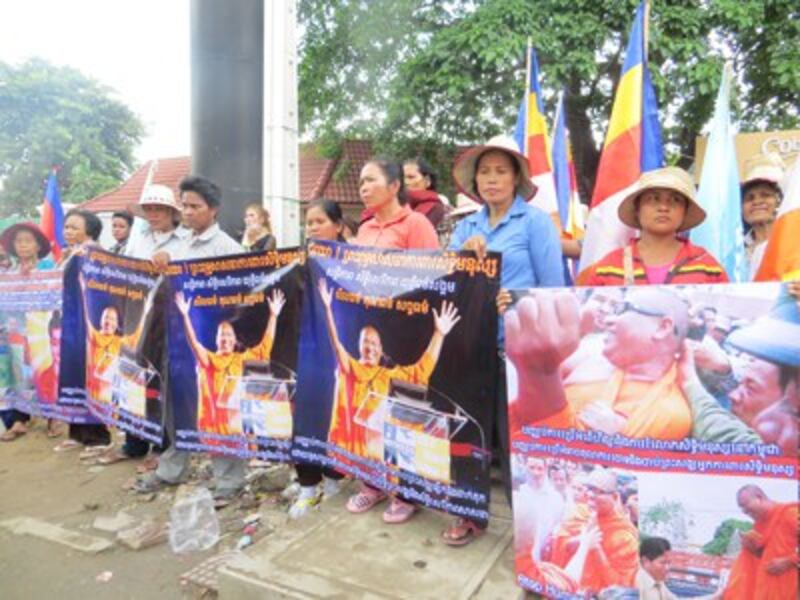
x,y
718,545
449,73
57,117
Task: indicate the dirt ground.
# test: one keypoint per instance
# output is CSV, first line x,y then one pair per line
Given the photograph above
x,y
59,489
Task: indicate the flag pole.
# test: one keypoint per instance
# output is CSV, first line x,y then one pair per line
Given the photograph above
x,y
527,95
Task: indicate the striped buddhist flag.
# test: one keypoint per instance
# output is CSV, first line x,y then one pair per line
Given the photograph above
x,y
632,147
782,257
52,221
570,211
533,141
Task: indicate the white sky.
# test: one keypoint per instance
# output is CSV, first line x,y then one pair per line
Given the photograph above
x,y
139,48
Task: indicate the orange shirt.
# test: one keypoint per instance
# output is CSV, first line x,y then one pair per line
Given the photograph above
x,y
656,409
749,579
216,384
353,389
408,230
103,349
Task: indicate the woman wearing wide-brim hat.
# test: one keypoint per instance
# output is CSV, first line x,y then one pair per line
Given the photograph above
x,y
761,197
662,206
29,247
496,176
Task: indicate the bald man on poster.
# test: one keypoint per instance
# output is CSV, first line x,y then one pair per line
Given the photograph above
x,y
766,568
638,397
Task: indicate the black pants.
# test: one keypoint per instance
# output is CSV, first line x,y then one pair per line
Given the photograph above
x,y
12,416
309,475
502,444
90,435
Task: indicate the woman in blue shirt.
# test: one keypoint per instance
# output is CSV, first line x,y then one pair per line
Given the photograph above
x,y
496,175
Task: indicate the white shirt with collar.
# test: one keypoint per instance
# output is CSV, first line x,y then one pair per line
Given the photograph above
x,y
150,242
650,589
211,243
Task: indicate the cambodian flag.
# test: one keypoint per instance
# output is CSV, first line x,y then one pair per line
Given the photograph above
x,y
52,223
632,146
533,141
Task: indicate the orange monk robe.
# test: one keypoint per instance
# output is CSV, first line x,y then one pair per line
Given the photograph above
x,y
103,349
620,544
216,384
353,388
777,536
656,409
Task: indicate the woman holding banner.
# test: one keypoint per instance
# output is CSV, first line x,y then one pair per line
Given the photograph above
x,y
662,206
496,175
29,248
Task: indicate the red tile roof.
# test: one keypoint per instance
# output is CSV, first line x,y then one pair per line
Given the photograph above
x,y
336,179
167,171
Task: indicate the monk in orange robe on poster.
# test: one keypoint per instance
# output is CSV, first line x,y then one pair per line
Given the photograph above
x,y
638,396
356,378
218,372
604,538
766,568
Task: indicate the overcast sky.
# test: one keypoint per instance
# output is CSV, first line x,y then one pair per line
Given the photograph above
x,y
139,48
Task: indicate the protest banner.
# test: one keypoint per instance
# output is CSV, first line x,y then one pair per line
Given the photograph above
x,y
233,324
658,411
397,372
107,300
30,345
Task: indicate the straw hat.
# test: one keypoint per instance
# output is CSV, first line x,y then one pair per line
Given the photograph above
x,y
464,169
7,238
464,206
767,167
775,337
155,195
670,178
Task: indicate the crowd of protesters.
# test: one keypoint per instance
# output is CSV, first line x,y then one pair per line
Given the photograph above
x,y
493,213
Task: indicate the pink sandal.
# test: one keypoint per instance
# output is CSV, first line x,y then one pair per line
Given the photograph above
x,y
365,499
461,532
398,511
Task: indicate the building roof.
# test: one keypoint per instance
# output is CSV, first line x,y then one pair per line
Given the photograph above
x,y
166,171
333,178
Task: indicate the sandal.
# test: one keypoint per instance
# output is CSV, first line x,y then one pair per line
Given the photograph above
x,y
398,511
54,429
67,445
112,456
14,433
365,499
303,505
461,532
94,452
150,483
150,463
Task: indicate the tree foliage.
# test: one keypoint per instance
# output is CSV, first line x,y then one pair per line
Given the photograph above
x,y
426,75
56,117
718,545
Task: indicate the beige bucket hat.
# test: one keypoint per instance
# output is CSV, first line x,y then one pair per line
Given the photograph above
x,y
155,195
464,169
767,167
671,178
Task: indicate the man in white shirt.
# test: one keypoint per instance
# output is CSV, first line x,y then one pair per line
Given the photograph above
x,y
201,199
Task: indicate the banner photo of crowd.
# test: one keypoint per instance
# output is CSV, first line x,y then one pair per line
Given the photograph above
x,y
397,371
30,345
113,298
655,421
233,329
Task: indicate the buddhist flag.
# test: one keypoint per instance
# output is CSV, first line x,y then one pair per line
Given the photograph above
x,y
533,141
52,222
632,147
570,211
719,194
782,257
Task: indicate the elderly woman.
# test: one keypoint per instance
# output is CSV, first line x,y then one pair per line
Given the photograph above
x,y
662,205
496,176
761,197
29,248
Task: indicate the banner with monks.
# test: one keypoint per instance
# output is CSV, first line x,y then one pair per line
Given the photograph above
x,y
233,326
397,372
114,354
657,419
30,345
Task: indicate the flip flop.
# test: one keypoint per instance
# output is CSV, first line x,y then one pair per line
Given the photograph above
x,y
364,500
112,457
67,445
94,452
150,463
398,512
11,435
461,532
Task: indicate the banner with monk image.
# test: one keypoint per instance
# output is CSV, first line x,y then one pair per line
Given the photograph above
x,y
114,356
233,326
701,381
397,372
30,345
